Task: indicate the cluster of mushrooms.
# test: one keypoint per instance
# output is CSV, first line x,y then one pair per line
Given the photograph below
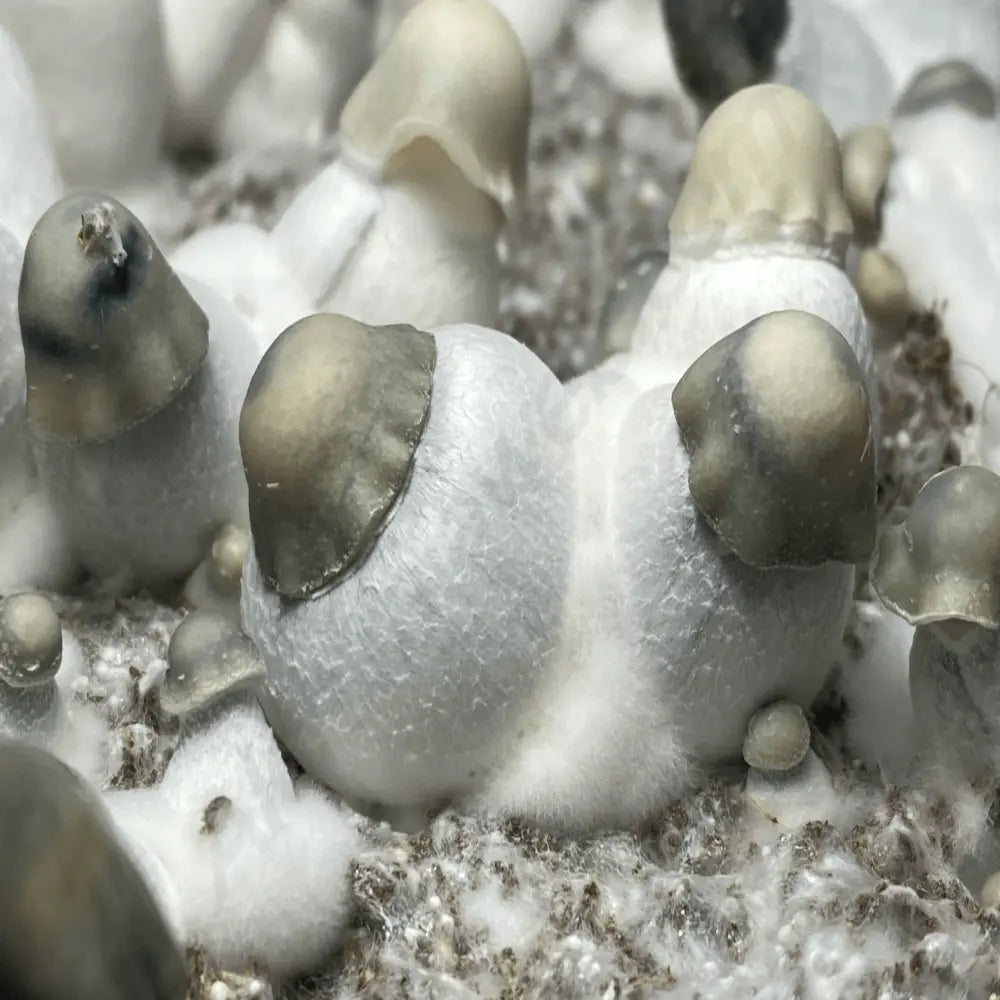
x,y
436,574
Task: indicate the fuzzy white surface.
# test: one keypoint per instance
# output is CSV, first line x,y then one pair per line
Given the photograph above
x,y
251,868
404,683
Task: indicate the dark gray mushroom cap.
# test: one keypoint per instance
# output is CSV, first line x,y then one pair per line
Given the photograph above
x,y
225,564
943,561
208,659
626,298
867,159
721,47
329,430
77,918
30,641
777,737
777,423
952,82
110,333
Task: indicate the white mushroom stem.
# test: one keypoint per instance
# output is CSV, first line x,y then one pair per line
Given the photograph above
x,y
29,713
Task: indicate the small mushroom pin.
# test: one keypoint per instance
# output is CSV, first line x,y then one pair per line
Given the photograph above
x,y
787,782
30,657
625,299
228,816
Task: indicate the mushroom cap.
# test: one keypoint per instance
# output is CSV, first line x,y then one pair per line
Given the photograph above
x,y
951,82
455,73
989,895
720,47
225,563
208,659
328,432
867,158
626,298
882,288
78,919
777,423
766,167
777,737
110,333
30,641
943,561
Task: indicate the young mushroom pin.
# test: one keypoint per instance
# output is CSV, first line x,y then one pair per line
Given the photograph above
x,y
940,571
787,782
30,657
134,384
228,815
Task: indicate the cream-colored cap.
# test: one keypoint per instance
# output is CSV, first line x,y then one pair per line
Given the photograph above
x,y
329,430
867,159
225,562
777,737
208,659
777,422
455,73
766,167
30,641
883,289
952,82
110,333
943,561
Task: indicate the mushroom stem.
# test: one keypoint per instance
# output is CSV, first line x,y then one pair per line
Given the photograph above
x,y
29,713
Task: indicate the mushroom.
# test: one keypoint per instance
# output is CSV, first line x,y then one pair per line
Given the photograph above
x,y
954,81
720,49
211,668
780,439
433,160
227,815
92,278
626,298
77,918
989,895
131,410
379,461
777,737
884,291
867,157
940,571
30,656
215,584
760,226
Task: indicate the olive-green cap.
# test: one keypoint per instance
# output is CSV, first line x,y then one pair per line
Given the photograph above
x,y
943,561
208,659
329,431
777,423
110,333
